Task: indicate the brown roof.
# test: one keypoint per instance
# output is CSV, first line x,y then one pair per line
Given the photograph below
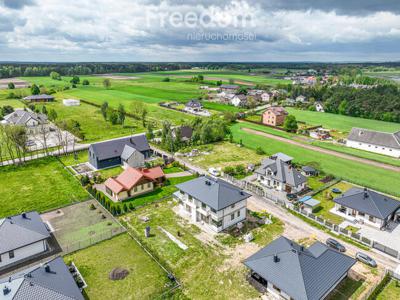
x,y
131,177
277,110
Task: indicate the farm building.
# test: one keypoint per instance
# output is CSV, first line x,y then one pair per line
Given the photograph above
x,y
375,141
71,102
120,151
39,98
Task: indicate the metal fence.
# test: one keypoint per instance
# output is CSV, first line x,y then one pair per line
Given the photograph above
x,y
259,191
105,235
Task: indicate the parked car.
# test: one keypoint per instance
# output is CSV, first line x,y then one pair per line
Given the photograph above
x,y
364,258
213,172
336,191
335,245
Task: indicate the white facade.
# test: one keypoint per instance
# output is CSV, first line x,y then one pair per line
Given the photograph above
x,y
353,214
374,148
71,102
199,212
269,182
265,97
236,101
319,107
22,253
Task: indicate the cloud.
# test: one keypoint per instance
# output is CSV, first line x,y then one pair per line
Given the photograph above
x,y
199,30
16,4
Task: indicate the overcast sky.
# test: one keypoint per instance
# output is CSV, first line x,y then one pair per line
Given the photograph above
x,y
201,30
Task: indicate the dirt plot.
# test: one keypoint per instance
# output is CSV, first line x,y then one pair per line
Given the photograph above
x,y
80,222
117,77
19,83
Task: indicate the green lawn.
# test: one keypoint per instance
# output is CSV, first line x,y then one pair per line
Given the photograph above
x,y
172,169
391,291
327,203
359,173
203,269
348,289
146,280
221,107
40,185
341,122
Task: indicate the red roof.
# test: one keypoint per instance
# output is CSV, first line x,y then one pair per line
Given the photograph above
x,y
130,177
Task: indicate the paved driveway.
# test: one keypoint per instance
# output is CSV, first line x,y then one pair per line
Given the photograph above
x,y
389,239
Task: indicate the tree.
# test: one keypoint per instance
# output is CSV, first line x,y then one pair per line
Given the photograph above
x,y
107,83
85,82
75,79
55,76
166,79
35,89
104,109
290,123
114,118
342,107
242,90
44,110
231,81
260,151
52,115
11,85
150,133
6,110
121,114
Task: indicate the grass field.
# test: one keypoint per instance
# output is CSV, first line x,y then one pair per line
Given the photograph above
x,y
227,154
146,280
362,174
79,222
341,122
40,185
391,291
326,144
203,268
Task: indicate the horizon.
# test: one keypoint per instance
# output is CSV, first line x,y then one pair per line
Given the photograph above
x,y
200,31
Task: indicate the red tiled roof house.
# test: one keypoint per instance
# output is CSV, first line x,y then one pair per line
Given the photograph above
x,y
133,182
274,116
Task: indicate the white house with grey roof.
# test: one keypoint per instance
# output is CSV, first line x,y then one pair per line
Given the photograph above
x,y
31,121
212,202
277,172
375,141
22,237
51,280
288,270
366,206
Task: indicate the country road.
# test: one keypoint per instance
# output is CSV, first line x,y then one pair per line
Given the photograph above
x,y
325,151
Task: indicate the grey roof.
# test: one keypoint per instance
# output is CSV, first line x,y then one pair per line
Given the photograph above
x,y
127,152
17,231
186,132
390,140
368,202
35,283
229,86
20,117
303,274
39,97
281,170
308,169
194,103
215,193
115,147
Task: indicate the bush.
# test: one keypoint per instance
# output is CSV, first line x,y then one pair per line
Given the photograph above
x,y
85,82
260,151
92,207
229,170
240,170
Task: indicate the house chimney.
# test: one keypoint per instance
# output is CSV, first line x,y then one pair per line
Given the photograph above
x,y
302,248
276,258
23,215
365,193
47,269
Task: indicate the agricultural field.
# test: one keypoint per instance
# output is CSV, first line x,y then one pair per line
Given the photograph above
x,y
225,154
365,175
341,122
146,280
41,185
205,269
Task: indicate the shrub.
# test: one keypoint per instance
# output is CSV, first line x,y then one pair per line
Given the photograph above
x,y
229,170
260,151
92,207
240,170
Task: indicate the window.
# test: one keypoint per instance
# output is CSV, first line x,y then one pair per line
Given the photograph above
x,y
238,213
0,258
213,210
371,219
232,216
361,214
203,206
135,189
11,254
149,185
233,205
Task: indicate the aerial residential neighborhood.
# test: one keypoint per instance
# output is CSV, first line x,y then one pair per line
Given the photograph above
x,y
207,150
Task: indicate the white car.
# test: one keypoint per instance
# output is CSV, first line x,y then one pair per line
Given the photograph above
x,y
213,172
